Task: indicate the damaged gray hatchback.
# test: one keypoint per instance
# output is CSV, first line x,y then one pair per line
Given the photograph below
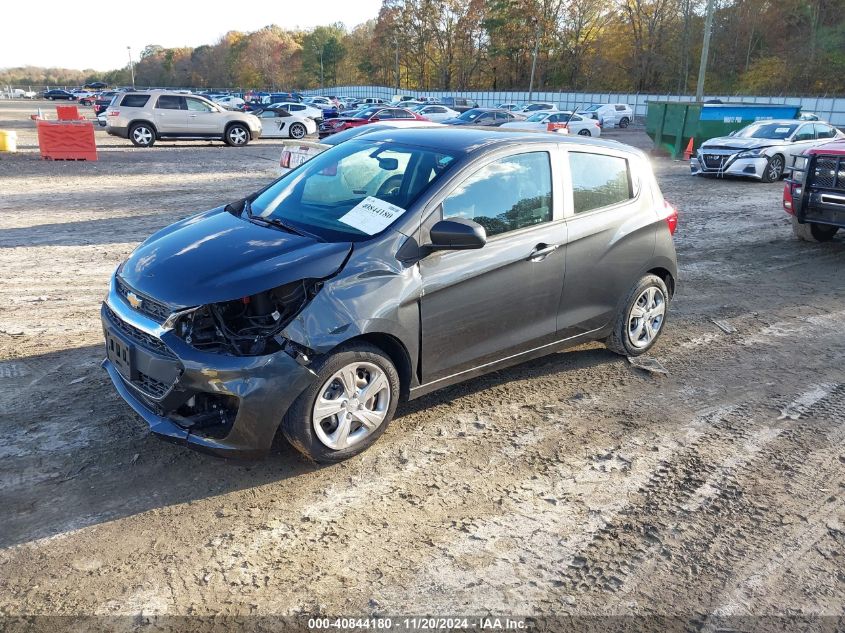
x,y
383,269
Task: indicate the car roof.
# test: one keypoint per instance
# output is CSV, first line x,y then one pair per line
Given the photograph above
x,y
458,140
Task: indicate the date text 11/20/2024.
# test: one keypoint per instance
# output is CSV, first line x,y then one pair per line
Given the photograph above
x,y
419,624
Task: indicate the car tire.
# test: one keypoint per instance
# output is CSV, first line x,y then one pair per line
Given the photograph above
x,y
641,318
236,135
811,232
340,435
624,122
584,132
774,169
297,131
142,135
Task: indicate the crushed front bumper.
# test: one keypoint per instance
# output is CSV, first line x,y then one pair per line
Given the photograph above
x,y
721,164
163,378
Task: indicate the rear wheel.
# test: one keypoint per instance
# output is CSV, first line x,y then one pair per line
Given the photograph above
x,y
297,130
774,169
584,132
810,232
624,121
347,407
237,135
641,318
142,135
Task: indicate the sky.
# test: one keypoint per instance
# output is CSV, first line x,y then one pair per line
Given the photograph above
x,y
72,35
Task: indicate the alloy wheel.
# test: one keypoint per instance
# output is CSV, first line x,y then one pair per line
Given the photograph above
x,y
775,168
237,135
297,130
646,317
142,135
351,405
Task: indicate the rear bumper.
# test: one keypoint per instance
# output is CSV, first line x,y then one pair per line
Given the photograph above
x,y
730,166
122,132
168,377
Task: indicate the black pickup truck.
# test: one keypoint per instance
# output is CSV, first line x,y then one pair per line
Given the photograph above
x,y
814,194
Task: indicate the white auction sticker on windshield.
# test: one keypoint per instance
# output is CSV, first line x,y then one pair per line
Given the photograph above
x,y
372,215
781,130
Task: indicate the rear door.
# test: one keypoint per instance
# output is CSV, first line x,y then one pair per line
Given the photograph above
x,y
170,113
611,233
480,306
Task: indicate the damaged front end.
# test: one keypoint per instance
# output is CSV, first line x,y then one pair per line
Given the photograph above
x,y
217,377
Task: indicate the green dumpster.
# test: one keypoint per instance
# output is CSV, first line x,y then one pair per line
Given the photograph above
x,y
671,124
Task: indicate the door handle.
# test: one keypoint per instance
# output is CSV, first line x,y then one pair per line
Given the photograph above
x,y
541,251
192,116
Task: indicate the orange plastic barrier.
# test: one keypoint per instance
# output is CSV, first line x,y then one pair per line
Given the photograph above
x,y
68,113
67,140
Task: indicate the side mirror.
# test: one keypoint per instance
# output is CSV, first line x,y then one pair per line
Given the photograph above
x,y
457,234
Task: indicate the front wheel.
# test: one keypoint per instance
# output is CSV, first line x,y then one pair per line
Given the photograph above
x,y
774,169
297,130
237,135
584,132
810,232
641,318
347,407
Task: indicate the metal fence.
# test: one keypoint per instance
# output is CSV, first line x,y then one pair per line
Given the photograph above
x,y
831,109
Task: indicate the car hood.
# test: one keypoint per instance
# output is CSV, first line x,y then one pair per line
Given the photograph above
x,y
732,142
216,256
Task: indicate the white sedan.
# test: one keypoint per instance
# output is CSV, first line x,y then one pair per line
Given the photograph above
x,y
572,123
279,123
436,113
299,109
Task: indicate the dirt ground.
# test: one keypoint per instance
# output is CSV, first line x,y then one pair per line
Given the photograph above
x,y
575,484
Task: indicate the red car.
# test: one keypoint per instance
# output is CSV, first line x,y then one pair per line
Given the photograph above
x,y
815,193
367,115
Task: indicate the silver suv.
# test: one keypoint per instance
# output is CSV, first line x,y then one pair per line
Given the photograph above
x,y
144,117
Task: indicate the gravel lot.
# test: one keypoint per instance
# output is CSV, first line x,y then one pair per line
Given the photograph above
x,y
575,484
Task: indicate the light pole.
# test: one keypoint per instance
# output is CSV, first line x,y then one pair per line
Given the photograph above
x,y
705,52
534,58
131,66
321,48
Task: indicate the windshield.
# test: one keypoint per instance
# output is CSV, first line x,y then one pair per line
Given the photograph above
x,y
366,113
592,108
324,196
775,131
471,115
535,118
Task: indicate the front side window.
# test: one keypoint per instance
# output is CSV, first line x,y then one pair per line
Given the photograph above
x,y
197,105
598,180
316,197
805,133
170,102
508,194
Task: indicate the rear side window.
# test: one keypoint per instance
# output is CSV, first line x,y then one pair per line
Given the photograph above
x,y
508,194
598,180
135,101
824,131
169,102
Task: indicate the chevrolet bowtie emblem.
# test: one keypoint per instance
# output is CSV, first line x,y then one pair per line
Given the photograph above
x,y
134,300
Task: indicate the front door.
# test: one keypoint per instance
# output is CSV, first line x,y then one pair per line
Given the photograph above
x,y
483,305
202,118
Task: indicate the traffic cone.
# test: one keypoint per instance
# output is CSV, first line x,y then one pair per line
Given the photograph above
x,y
688,150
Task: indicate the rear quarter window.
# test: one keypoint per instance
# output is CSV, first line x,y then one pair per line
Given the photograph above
x,y
135,101
598,180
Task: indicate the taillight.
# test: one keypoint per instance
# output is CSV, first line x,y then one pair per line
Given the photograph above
x,y
113,113
285,161
671,217
791,197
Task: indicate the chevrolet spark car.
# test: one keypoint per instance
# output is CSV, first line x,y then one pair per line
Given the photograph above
x,y
385,268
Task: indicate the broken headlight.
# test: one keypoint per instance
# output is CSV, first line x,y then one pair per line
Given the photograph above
x,y
248,326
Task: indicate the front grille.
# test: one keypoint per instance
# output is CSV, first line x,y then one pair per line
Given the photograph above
x,y
713,161
156,310
150,385
143,339
828,173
